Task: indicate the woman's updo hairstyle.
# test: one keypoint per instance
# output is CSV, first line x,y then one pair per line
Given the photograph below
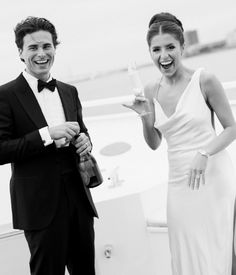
x,y
165,22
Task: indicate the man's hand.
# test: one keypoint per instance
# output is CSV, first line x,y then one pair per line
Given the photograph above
x,y
66,130
83,144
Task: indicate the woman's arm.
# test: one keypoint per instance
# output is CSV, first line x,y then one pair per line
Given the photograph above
x,y
143,105
151,135
215,95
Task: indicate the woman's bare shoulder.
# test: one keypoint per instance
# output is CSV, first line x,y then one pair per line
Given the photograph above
x,y
150,89
209,83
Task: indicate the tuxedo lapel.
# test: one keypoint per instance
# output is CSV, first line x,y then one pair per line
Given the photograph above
x,y
67,100
26,97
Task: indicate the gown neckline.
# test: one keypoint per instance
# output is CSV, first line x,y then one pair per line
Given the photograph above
x,y
179,100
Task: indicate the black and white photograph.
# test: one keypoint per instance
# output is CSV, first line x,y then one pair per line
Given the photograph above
x,y
117,137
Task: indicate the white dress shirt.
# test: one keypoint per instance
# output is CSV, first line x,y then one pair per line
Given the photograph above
x,y
51,106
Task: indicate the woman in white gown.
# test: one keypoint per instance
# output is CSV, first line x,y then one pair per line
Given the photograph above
x,y
202,184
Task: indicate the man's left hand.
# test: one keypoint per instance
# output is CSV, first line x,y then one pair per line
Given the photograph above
x,y
83,144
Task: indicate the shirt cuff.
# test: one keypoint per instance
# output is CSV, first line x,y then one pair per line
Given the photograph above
x,y
61,143
45,136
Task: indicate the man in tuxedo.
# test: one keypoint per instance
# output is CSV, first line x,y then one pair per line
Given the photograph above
x,y
43,136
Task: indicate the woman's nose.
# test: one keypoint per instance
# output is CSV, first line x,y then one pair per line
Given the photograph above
x,y
163,54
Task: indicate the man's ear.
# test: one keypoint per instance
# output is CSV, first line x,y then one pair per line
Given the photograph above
x,y
182,50
20,54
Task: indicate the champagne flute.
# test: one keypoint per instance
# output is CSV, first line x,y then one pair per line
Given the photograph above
x,y
136,82
135,79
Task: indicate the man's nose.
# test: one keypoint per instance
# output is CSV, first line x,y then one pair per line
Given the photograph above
x,y
41,52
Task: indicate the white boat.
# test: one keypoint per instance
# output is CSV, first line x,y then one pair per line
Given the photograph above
x,y
131,234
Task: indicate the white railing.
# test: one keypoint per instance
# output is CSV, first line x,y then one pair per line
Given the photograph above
x,y
122,99
229,85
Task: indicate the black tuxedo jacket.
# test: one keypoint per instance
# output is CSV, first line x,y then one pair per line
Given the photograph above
x,y
35,180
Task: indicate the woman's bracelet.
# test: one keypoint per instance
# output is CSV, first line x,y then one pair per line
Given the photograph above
x,y
144,114
204,153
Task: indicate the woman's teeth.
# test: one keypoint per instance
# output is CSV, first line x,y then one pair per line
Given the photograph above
x,y
166,64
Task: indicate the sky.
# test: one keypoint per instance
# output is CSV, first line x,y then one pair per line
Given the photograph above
x,y
101,35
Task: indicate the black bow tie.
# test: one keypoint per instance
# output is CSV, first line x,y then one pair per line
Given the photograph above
x,y
51,85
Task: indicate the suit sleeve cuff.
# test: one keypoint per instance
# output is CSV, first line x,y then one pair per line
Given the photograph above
x,y
45,136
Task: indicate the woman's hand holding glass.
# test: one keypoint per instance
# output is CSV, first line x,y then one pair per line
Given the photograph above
x,y
140,105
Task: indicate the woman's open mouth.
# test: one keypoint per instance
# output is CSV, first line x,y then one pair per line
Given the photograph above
x,y
166,64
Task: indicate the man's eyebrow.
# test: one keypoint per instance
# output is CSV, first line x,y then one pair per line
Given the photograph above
x,y
47,44
32,45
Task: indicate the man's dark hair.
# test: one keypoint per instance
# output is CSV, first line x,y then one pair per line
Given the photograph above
x,y
33,24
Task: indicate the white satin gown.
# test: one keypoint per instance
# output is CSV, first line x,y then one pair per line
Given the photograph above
x,y
200,222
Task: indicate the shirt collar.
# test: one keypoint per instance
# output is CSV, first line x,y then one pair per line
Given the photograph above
x,y
33,81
